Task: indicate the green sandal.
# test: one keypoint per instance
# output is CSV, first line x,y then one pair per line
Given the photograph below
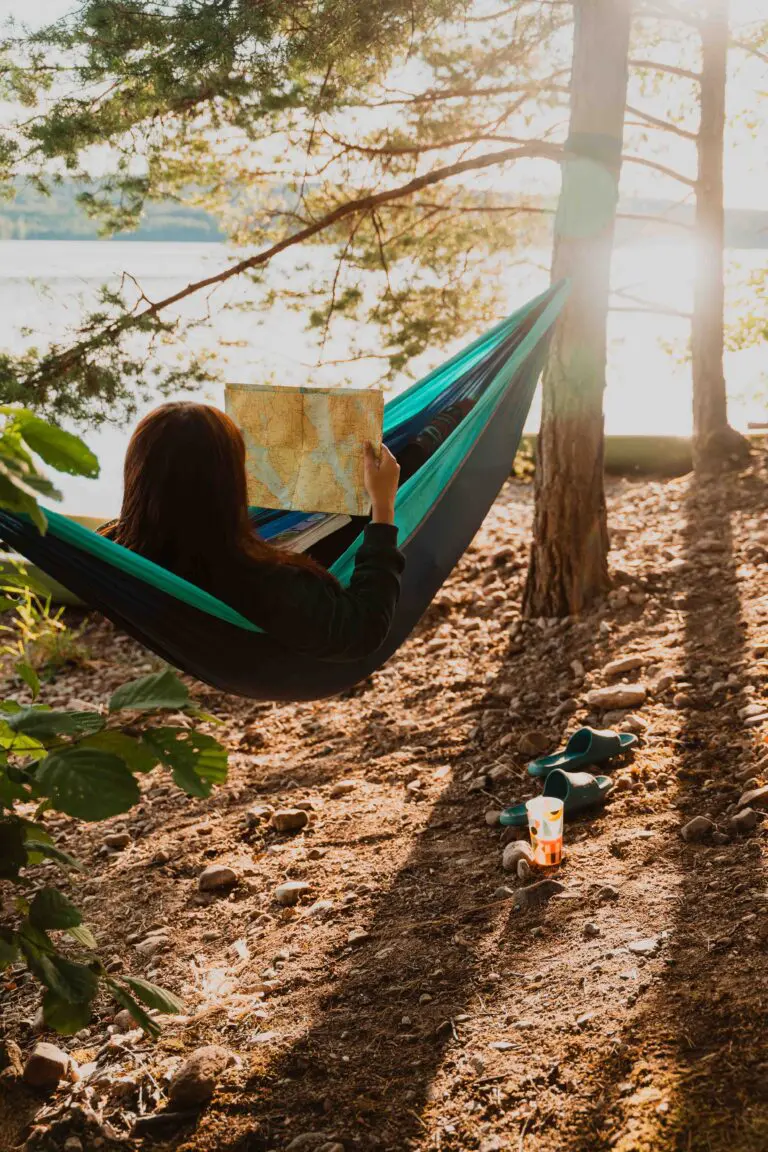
x,y
577,790
587,746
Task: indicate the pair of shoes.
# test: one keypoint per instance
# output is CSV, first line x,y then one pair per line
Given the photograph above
x,y
577,790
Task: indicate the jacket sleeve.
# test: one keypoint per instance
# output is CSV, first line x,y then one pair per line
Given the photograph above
x,y
309,614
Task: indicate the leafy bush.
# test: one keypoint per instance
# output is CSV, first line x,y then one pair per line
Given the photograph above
x,y
83,763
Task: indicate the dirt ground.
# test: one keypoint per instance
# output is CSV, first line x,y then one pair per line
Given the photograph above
x,y
407,1002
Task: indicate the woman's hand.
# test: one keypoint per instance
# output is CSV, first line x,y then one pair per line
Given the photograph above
x,y
382,475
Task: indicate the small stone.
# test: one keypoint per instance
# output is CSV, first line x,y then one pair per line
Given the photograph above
x,y
216,877
578,669
746,774
635,724
73,1144
567,708
161,857
124,1022
608,893
358,936
316,853
751,710
503,893
307,1142
117,840
697,829
647,947
623,664
682,700
414,786
537,894
194,1083
291,892
591,929
343,788
259,814
47,1065
664,682
156,942
534,743
620,696
492,817
743,821
755,798
11,1062
289,820
524,870
425,998
514,852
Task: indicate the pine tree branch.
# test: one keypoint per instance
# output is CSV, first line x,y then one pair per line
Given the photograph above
x,y
672,69
662,168
67,361
664,125
743,46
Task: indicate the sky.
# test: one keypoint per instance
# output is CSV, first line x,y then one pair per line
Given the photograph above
x,y
746,169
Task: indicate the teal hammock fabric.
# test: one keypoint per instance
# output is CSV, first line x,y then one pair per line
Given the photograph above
x,y
437,511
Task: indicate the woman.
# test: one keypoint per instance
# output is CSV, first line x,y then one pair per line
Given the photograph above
x,y
185,506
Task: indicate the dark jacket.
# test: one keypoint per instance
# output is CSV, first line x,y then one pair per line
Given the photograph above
x,y
308,613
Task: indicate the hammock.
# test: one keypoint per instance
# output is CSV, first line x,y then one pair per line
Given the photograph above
x,y
438,511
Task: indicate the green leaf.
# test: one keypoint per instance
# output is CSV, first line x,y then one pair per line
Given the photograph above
x,y
65,1016
197,760
125,1000
87,783
9,948
83,936
75,983
60,449
51,909
11,790
28,675
153,996
40,850
158,690
15,499
18,742
44,724
13,852
136,755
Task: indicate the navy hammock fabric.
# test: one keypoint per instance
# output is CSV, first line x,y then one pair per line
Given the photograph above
x,y
438,511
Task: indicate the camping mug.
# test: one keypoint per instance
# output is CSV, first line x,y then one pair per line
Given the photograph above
x,y
545,822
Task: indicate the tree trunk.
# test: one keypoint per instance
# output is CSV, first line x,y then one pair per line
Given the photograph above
x,y
569,566
714,441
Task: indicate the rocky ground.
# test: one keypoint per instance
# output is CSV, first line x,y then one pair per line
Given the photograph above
x,y
368,976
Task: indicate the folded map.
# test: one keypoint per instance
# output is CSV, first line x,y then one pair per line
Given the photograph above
x,y
304,446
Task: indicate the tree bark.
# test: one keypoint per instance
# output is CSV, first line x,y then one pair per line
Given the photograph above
x,y
714,441
569,566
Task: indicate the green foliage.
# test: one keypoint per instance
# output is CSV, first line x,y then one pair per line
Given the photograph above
x,y
80,762
270,117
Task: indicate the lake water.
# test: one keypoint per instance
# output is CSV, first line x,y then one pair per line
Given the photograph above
x,y
42,284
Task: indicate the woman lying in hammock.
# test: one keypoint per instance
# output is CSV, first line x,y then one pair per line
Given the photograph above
x,y
185,506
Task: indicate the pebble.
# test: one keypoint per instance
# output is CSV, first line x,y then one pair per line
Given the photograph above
x,y
633,723
156,942
291,892
358,936
623,664
259,813
682,700
492,817
620,696
514,852
73,1144
538,893
307,1142
752,710
647,947
567,708
755,798
47,1065
215,877
319,907
289,820
591,929
533,743
117,840
194,1083
124,1022
697,829
343,788
503,893
746,774
743,821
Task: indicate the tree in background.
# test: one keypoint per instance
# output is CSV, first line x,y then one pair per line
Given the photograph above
x,y
393,124
569,565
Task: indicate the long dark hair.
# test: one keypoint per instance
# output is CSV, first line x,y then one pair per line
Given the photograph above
x,y
185,497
